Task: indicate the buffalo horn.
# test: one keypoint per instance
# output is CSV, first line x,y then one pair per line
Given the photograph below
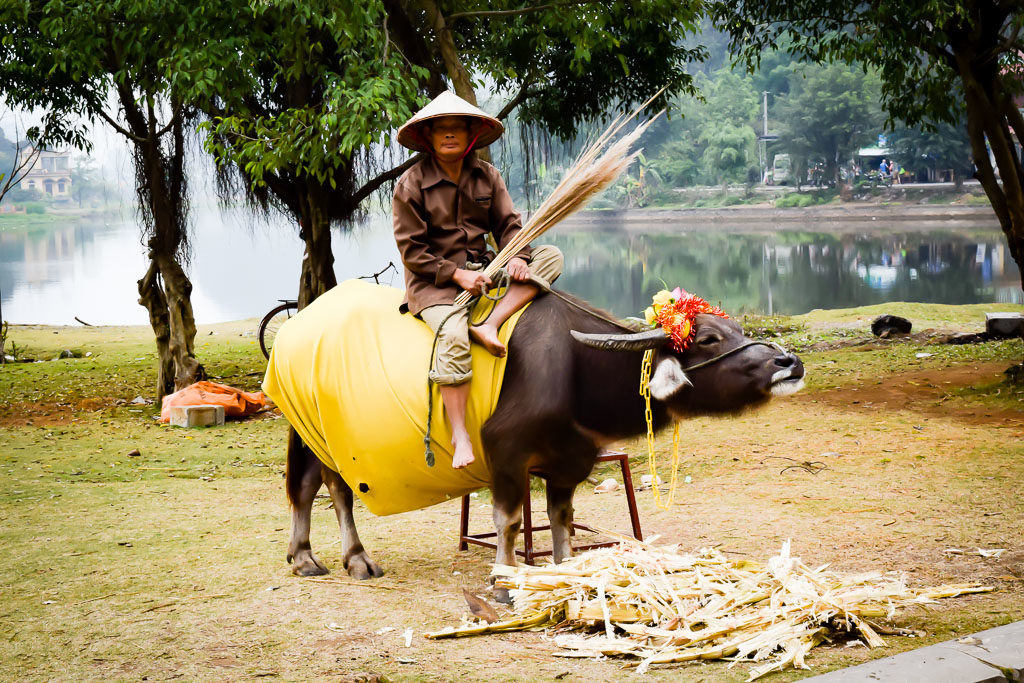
x,y
637,341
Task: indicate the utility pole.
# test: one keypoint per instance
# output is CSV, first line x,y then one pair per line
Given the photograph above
x,y
765,132
763,147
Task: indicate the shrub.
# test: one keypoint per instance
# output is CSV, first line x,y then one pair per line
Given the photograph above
x,y
794,199
35,207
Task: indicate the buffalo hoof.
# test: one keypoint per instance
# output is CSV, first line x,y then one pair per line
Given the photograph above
x,y
501,595
306,564
361,567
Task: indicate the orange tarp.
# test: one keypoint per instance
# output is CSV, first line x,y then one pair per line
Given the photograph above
x,y
237,403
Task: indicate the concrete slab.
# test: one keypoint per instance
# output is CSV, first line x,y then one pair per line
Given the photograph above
x,y
1004,325
197,416
993,656
1002,647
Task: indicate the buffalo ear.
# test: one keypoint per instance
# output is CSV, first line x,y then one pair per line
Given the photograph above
x,y
668,379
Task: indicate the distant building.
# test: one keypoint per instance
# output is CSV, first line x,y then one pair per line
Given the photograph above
x,y
50,175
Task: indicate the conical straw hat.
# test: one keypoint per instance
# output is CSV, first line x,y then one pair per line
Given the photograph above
x,y
449,104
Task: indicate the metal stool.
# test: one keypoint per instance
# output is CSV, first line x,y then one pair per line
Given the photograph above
x,y
529,553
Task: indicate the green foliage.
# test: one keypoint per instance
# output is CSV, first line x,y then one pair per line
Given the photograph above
x,y
726,149
312,84
712,141
936,62
72,58
86,183
64,57
802,199
794,199
830,111
905,41
316,91
35,207
945,147
575,63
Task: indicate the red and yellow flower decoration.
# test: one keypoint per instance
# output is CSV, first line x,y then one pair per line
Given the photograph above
x,y
675,311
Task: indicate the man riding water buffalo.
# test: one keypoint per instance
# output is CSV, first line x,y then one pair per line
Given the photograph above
x,y
444,207
561,383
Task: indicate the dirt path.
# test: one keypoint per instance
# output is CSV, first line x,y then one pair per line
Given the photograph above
x,y
170,564
927,392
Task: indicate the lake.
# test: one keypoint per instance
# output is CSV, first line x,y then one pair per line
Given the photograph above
x,y
88,267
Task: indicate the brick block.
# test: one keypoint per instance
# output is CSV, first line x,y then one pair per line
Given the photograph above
x,y
1004,325
197,416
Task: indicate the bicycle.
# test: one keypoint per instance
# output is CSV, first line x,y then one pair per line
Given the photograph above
x,y
280,314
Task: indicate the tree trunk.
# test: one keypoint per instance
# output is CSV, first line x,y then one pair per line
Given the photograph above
x,y
457,72
165,290
317,274
987,121
181,342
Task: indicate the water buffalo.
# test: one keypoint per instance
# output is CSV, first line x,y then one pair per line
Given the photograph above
x,y
570,387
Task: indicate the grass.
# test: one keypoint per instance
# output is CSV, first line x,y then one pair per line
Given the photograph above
x,y
171,563
11,222
804,199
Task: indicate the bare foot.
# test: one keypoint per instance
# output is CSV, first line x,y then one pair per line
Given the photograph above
x,y
487,336
463,454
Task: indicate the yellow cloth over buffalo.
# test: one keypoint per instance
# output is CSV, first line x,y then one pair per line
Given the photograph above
x,y
350,374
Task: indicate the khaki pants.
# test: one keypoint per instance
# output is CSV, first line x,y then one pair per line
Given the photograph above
x,y
452,362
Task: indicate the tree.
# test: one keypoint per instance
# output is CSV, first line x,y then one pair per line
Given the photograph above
x,y
304,117
936,61
725,130
830,111
726,149
15,163
710,138
86,183
67,58
934,148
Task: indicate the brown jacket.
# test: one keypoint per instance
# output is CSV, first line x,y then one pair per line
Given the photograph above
x,y
440,226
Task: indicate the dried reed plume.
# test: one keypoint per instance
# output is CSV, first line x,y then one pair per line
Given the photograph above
x,y
592,172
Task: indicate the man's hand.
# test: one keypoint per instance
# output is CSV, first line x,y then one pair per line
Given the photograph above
x,y
473,281
518,270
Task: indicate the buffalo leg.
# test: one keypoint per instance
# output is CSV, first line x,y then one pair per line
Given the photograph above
x,y
508,518
560,517
303,480
357,562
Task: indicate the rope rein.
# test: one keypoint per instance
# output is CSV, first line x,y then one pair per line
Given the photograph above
x,y
502,283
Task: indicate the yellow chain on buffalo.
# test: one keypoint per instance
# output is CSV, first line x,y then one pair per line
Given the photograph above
x,y
645,391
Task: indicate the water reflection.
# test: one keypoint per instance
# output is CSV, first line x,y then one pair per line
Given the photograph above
x,y
790,272
239,268
89,268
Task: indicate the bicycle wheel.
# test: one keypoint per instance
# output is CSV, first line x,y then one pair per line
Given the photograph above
x,y
272,322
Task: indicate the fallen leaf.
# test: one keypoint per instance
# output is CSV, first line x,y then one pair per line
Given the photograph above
x,y
480,607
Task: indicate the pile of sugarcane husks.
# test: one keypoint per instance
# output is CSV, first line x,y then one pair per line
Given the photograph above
x,y
658,605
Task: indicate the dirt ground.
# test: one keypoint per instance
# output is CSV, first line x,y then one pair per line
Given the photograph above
x,y
170,565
